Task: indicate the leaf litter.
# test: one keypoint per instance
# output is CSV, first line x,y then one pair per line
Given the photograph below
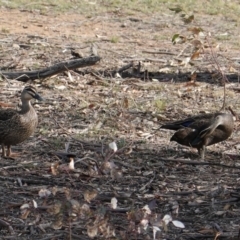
x,y
95,167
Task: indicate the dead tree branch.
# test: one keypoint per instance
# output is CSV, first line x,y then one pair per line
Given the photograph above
x,y
52,70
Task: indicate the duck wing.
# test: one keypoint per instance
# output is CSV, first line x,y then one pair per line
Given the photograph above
x,y
191,122
6,114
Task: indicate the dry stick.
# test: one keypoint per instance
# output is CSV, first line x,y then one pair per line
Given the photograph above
x,y
214,58
233,113
70,230
52,70
127,165
125,67
147,184
158,52
97,76
31,181
53,236
196,235
76,236
193,163
4,77
6,224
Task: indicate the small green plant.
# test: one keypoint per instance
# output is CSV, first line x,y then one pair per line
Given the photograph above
x,y
56,143
4,30
223,37
160,104
114,39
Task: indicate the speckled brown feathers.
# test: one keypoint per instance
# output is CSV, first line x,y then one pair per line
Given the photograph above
x,y
202,131
17,126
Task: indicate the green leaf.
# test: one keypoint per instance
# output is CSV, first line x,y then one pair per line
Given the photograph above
x,y
177,9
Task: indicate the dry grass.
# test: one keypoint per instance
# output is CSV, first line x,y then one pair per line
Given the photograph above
x,y
229,9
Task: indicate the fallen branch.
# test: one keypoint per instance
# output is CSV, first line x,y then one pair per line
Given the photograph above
x,y
191,162
52,70
207,235
6,224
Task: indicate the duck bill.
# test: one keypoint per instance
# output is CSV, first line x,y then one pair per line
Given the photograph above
x,y
38,97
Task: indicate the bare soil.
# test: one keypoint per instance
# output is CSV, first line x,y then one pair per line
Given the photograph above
x,y
83,113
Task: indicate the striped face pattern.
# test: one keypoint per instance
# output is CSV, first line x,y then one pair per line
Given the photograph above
x,y
32,92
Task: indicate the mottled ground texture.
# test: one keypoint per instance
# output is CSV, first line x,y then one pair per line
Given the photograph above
x,y
160,187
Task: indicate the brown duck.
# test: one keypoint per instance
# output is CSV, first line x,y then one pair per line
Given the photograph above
x,y
202,130
17,126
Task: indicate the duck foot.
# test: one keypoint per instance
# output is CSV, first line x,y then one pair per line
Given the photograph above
x,y
12,156
201,152
9,154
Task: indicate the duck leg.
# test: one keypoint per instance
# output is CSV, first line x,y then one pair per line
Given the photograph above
x,y
10,154
3,151
201,152
8,151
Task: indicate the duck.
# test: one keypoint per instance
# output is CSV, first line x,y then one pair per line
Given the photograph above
x,y
202,130
17,125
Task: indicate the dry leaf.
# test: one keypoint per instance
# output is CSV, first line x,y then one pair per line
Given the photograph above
x,y
35,205
167,219
116,173
187,19
67,193
60,87
71,164
70,77
75,207
24,206
44,193
147,210
155,230
114,203
84,211
195,30
54,168
25,213
178,224
125,103
196,43
90,195
55,208
144,223
92,231
54,191
25,210
195,55
113,146
233,70
58,222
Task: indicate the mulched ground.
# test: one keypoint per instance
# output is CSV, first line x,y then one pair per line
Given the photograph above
x,y
43,198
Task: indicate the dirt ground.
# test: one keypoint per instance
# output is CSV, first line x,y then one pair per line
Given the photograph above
x,y
43,198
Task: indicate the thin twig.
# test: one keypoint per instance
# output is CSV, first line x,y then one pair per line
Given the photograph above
x,y
214,58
